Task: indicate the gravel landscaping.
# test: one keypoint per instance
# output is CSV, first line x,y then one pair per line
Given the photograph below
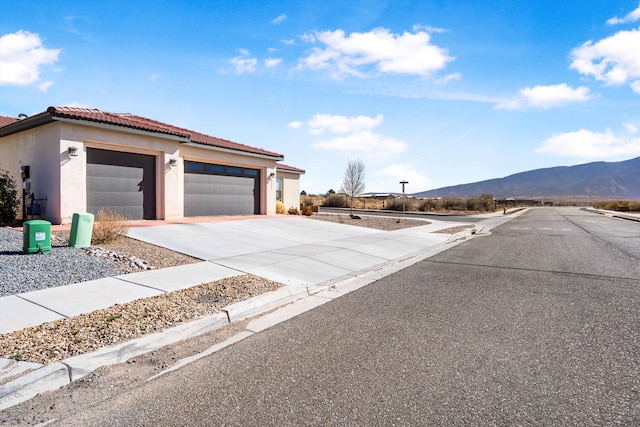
x,y
64,338
20,272
369,221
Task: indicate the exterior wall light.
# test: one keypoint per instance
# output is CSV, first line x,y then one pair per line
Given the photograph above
x,y
173,162
272,175
73,151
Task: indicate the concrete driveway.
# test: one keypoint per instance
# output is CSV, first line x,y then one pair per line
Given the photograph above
x,y
291,250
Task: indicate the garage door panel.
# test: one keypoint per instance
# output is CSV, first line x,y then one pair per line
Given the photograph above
x,y
106,171
115,185
107,198
207,195
121,182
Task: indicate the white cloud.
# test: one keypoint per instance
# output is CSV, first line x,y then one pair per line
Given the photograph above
x,y
632,16
545,97
76,104
342,124
288,41
429,29
295,124
631,127
615,60
43,86
357,137
280,19
448,78
244,63
401,172
372,145
21,57
272,62
359,54
586,144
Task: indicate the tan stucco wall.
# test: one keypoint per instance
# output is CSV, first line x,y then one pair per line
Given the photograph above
x,y
37,148
290,189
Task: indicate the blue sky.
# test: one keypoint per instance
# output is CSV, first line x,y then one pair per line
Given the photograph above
x,y
433,92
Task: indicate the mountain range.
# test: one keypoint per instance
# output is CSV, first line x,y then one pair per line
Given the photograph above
x,y
597,180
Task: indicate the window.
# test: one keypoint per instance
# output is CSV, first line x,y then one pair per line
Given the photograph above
x,y
279,189
191,166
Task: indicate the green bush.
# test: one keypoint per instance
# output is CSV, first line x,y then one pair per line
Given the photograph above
x,y
9,202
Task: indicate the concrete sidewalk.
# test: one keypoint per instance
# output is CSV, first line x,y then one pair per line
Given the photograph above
x,y
317,260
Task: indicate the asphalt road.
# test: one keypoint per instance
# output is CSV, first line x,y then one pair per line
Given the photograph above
x,y
535,324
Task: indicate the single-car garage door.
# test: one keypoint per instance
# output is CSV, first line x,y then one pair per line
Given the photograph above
x,y
220,190
121,182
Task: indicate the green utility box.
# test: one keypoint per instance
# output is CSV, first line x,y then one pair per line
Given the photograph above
x,y
81,230
36,236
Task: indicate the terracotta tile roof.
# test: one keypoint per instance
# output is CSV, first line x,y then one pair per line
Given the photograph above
x,y
132,121
6,120
283,167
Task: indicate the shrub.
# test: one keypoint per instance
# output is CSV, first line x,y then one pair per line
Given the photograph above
x,y
307,210
432,205
335,201
109,226
395,204
280,209
9,202
617,205
293,211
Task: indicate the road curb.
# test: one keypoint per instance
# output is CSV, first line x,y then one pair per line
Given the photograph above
x,y
613,214
49,377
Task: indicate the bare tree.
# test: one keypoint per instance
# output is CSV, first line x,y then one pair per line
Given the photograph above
x,y
353,180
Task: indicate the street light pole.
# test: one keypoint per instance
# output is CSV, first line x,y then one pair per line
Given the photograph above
x,y
403,182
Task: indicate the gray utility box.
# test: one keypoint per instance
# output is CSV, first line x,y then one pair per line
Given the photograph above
x,y
81,230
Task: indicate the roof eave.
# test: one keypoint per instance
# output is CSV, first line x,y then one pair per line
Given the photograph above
x,y
276,158
47,118
173,137
25,124
297,172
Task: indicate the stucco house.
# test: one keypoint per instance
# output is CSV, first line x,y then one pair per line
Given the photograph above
x,y
82,160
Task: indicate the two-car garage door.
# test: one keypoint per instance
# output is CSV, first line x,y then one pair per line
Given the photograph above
x,y
211,189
